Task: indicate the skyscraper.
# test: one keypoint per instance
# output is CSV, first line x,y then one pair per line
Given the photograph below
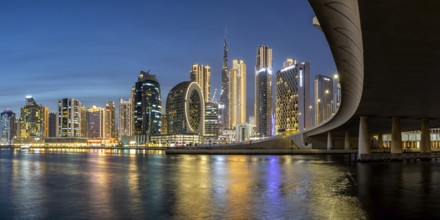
x,y
52,124
237,94
125,118
34,121
202,75
7,127
69,118
147,105
83,121
211,119
224,94
110,120
96,123
293,113
185,109
323,98
263,91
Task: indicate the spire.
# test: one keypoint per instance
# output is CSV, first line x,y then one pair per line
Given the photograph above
x,y
225,54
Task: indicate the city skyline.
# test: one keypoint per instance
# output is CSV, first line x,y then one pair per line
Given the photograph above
x,y
102,57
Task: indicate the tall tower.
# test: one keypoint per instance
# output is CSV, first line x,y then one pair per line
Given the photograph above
x,y
323,98
125,118
202,75
224,96
7,127
147,105
110,120
263,91
293,112
34,119
69,118
95,123
237,93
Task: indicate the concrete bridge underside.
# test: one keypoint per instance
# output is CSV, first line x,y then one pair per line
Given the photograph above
x,y
388,58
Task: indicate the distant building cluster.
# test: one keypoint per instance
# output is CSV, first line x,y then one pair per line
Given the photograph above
x,y
191,115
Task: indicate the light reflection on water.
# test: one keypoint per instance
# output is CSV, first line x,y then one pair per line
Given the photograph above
x,y
139,184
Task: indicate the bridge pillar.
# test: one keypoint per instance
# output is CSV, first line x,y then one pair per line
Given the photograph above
x,y
347,141
364,137
396,136
380,141
329,141
425,137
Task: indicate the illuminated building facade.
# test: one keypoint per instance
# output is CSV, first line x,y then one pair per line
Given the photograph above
x,y
83,121
125,118
293,113
96,123
34,120
237,94
202,75
69,118
211,119
224,94
185,109
7,127
110,120
147,104
263,91
323,98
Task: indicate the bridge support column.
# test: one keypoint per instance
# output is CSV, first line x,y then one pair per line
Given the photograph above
x,y
329,141
347,141
380,141
396,136
364,137
425,137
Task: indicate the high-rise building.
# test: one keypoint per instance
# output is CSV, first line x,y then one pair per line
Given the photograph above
x,y
201,74
185,109
263,91
34,120
96,123
7,127
52,124
293,113
147,105
237,94
69,118
83,121
125,118
110,120
224,94
323,98
211,119
164,129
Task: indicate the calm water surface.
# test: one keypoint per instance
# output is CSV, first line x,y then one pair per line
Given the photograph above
x,y
131,184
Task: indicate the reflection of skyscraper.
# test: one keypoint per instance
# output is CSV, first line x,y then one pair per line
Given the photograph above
x,y
202,75
323,98
224,94
263,91
237,94
147,105
7,127
185,109
34,120
293,112
69,118
125,118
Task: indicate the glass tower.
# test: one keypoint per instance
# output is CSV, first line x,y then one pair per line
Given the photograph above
x,y
263,91
147,105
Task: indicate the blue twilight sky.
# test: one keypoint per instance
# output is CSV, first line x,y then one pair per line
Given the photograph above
x,y
93,50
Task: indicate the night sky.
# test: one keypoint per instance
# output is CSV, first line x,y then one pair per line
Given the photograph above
x,y
93,50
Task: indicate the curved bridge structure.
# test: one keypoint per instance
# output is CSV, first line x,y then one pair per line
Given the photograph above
x,y
388,58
